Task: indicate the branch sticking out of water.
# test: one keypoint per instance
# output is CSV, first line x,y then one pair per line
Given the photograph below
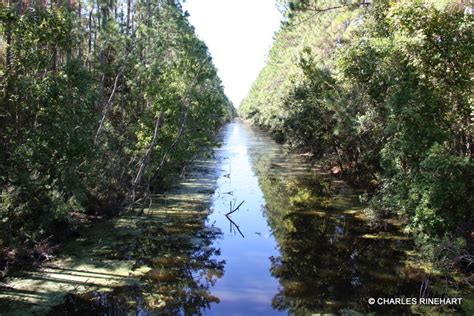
x,y
232,223
235,209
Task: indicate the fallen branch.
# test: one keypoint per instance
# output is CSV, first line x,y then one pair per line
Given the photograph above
x,y
232,211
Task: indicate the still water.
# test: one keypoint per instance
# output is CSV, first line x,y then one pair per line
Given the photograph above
x,y
252,230
307,247
247,286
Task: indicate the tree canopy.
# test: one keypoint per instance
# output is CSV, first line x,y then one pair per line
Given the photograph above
x,y
102,101
382,90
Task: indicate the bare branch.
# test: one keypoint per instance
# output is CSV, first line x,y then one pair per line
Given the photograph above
x,y
318,10
110,100
232,211
146,157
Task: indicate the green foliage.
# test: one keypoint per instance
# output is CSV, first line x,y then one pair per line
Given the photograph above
x,y
405,74
385,92
99,104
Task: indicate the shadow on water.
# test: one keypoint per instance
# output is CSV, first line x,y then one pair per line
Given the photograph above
x,y
179,277
178,264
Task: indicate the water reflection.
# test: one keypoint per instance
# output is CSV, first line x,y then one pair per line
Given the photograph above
x,y
329,259
307,248
181,265
247,287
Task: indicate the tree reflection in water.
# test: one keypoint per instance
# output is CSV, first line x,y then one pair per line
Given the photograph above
x,y
330,259
182,265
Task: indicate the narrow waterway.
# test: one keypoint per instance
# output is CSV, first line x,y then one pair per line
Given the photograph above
x,y
303,244
247,286
252,230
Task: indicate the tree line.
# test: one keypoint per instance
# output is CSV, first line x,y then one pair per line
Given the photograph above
x,y
382,92
102,103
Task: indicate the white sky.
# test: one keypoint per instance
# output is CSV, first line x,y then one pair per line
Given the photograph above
x,y
239,34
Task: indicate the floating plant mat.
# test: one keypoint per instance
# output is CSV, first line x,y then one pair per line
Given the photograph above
x,y
162,259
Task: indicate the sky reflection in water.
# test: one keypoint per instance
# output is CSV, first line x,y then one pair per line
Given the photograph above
x,y
247,286
306,246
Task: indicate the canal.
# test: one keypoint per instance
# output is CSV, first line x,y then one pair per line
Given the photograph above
x,y
251,230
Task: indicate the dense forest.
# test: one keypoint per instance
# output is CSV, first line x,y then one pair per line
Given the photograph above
x,y
103,102
380,93
127,186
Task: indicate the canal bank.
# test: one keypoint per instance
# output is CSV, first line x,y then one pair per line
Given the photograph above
x,y
253,230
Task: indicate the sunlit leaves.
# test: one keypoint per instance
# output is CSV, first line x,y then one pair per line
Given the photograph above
x,y
67,70
395,95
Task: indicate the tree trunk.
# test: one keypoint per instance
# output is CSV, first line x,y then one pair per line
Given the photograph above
x,y
128,17
146,157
